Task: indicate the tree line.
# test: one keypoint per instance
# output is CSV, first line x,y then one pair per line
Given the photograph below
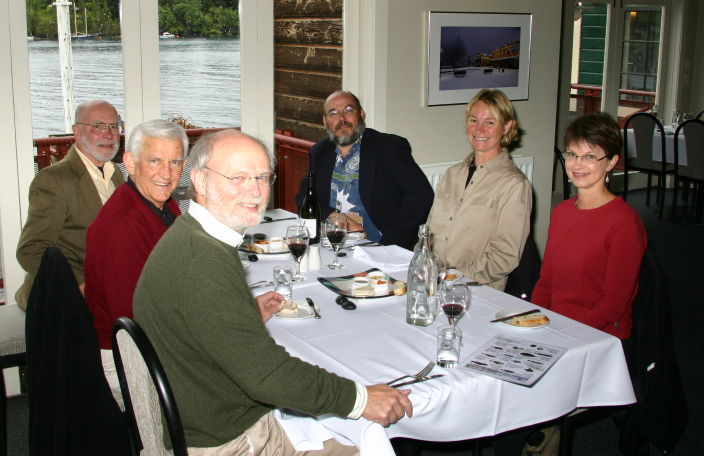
x,y
186,18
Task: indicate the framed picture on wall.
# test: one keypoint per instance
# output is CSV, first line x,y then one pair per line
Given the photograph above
x,y
468,52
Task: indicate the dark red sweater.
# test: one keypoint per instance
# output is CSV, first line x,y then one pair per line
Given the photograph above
x,y
591,265
118,243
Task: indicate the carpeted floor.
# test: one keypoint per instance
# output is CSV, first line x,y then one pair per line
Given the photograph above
x,y
679,248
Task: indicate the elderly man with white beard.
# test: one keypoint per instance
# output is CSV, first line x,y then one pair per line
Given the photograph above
x,y
192,300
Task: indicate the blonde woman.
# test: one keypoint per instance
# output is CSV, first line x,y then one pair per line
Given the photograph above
x,y
480,217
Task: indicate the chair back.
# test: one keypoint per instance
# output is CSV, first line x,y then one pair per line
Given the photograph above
x,y
146,391
565,180
693,131
643,126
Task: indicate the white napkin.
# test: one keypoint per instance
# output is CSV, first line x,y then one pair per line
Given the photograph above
x,y
388,258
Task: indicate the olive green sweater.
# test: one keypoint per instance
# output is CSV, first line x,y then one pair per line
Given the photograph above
x,y
225,370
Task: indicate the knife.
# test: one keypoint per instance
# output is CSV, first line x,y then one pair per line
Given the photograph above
x,y
312,306
419,380
277,220
527,312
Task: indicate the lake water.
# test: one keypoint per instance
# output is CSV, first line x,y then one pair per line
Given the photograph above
x,y
200,80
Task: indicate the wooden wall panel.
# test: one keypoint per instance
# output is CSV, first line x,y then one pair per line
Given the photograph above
x,y
308,57
308,8
306,84
307,63
314,31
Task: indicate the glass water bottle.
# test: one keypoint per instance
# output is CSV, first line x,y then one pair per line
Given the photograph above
x,y
421,300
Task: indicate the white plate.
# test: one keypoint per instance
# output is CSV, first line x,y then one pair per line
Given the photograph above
x,y
458,274
303,310
354,236
506,313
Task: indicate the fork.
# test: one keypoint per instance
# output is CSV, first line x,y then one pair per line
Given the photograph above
x,y
421,374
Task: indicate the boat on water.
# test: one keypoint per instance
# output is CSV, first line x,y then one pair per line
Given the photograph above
x,y
30,38
166,35
85,36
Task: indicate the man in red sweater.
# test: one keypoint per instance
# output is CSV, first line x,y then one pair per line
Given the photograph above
x,y
130,224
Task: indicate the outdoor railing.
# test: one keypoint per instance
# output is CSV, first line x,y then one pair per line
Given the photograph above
x,y
590,98
291,156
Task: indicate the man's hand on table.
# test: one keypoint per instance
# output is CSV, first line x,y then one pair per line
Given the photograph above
x,y
269,303
386,405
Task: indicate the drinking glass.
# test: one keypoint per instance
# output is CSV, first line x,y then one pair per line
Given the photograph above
x,y
283,281
449,344
335,228
297,238
454,300
442,274
676,117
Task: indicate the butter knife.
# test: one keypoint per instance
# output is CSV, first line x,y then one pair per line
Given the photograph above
x,y
527,312
277,220
312,306
420,380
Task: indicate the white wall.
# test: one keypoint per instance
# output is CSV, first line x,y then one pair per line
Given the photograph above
x,y
437,133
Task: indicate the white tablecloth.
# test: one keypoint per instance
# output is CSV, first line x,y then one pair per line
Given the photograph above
x,y
669,146
374,344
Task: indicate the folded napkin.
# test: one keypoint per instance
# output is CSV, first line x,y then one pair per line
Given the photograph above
x,y
388,258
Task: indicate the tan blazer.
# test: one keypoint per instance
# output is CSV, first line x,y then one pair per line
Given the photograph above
x,y
63,201
482,229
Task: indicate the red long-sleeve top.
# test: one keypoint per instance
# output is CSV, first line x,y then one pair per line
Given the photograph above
x,y
591,265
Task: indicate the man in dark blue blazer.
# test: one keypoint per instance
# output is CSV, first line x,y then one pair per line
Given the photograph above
x,y
368,175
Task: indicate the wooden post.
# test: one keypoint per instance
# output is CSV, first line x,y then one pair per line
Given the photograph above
x,y
63,24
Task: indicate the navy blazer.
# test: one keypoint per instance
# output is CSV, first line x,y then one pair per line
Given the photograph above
x,y
395,192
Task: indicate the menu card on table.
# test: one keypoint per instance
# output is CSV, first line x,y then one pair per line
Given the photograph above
x,y
514,360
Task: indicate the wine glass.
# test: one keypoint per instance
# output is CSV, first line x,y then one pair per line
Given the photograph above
x,y
454,300
297,238
442,274
335,228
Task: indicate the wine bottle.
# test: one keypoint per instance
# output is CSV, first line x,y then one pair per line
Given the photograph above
x,y
310,211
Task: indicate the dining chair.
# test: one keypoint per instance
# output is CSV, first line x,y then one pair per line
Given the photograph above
x,y
560,160
12,354
693,172
146,392
644,126
700,116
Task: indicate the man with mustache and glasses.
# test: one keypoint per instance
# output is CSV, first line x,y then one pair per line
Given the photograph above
x,y
367,175
192,300
65,198
129,225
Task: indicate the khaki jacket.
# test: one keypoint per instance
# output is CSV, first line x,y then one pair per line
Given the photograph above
x,y
63,201
481,229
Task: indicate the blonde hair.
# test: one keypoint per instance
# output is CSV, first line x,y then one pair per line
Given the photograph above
x,y
501,108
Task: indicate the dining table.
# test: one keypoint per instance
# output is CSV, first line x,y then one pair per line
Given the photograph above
x,y
373,344
669,145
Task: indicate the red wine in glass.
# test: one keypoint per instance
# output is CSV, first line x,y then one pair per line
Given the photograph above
x,y
452,310
297,249
335,237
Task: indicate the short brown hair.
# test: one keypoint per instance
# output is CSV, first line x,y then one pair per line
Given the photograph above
x,y
501,108
600,130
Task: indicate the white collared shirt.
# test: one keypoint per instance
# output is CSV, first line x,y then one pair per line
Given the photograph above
x,y
103,181
224,233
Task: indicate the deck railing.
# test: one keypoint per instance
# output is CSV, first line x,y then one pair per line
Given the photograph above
x,y
589,97
291,156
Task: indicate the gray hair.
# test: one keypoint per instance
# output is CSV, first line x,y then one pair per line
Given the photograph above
x,y
156,128
203,149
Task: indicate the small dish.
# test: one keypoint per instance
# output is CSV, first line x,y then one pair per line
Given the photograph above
x,y
345,285
303,310
506,313
453,274
354,236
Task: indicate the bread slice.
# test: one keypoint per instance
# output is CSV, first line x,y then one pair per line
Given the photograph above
x,y
529,320
288,307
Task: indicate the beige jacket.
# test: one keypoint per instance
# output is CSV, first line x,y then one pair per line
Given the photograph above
x,y
481,229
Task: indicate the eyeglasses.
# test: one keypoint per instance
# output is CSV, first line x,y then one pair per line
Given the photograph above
x,y
158,163
263,180
101,127
589,159
334,113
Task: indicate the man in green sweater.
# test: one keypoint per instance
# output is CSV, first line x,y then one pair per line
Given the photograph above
x,y
192,300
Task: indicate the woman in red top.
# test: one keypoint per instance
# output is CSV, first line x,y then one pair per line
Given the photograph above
x,y
595,241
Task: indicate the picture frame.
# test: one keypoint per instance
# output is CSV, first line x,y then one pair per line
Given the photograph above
x,y
468,52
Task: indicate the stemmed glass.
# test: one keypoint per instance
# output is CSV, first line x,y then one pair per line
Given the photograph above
x,y
335,228
442,274
454,300
297,240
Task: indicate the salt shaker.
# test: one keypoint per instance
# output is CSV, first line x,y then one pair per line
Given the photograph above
x,y
313,255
